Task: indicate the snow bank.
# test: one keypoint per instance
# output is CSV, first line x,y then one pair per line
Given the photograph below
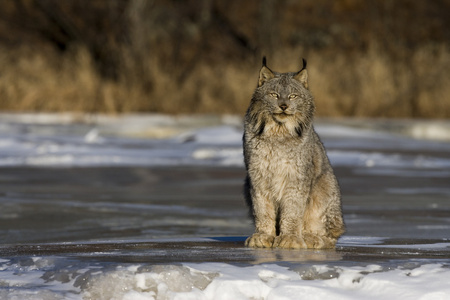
x,y
223,281
137,140
39,279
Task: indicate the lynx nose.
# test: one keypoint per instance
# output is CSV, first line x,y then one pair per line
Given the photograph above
x,y
283,107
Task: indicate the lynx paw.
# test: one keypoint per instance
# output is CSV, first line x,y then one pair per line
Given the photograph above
x,y
260,240
289,242
318,242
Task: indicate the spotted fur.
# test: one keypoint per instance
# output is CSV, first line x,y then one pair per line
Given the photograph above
x,y
292,192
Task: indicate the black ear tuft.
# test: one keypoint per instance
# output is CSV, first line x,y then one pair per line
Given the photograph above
x,y
264,74
264,61
302,75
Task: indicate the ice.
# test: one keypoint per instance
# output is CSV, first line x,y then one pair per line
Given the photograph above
x,y
223,281
414,191
221,135
149,282
58,278
23,279
158,140
410,151
361,240
436,130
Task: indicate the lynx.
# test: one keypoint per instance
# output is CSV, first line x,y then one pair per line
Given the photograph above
x,y
290,187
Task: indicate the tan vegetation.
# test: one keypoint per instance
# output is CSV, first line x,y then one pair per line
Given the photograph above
x,y
365,58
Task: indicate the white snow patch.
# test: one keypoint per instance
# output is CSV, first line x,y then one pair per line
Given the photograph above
x,y
223,281
157,140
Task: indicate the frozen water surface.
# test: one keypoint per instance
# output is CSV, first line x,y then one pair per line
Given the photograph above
x,y
150,207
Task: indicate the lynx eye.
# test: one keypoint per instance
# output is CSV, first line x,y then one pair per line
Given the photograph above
x,y
293,96
275,95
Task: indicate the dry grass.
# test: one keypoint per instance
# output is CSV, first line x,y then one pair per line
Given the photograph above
x,y
34,81
369,84
365,58
372,84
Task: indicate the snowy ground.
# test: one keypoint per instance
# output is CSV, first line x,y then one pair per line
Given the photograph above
x,y
302,274
141,140
96,207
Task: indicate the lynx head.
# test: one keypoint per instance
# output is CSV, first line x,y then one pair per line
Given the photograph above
x,y
285,94
284,97
282,101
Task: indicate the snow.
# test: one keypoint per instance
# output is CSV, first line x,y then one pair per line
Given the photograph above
x,y
100,141
156,140
225,281
427,281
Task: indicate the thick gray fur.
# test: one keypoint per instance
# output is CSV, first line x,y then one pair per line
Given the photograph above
x,y
291,189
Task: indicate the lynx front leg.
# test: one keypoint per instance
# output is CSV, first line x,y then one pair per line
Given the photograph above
x,y
265,218
260,240
326,239
291,218
289,241
323,223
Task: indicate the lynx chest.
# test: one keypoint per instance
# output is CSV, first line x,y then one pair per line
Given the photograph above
x,y
277,165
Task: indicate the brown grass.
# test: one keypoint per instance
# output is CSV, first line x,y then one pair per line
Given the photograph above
x,y
372,84
367,84
199,57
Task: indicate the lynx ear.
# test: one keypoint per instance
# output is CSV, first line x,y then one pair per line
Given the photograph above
x,y
302,75
265,73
